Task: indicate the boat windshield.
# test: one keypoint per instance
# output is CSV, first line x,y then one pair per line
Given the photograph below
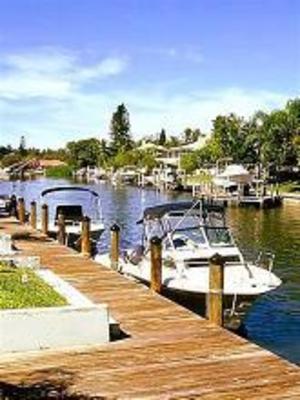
x,y
184,238
176,222
195,235
218,236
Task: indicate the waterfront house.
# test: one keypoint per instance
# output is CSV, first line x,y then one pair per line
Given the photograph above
x,y
170,157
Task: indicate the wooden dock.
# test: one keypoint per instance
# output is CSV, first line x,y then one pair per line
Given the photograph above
x,y
267,201
167,351
260,201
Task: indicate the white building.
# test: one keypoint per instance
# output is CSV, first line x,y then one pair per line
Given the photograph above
x,y
171,156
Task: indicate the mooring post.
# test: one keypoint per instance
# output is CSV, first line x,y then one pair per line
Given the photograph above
x,y
86,236
114,246
13,206
21,210
33,215
61,233
45,219
214,301
156,264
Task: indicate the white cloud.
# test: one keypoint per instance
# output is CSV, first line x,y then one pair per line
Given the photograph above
x,y
44,96
50,73
198,109
108,67
53,123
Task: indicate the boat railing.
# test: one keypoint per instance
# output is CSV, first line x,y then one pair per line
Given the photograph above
x,y
265,260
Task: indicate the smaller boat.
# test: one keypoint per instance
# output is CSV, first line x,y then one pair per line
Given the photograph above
x,y
5,204
74,202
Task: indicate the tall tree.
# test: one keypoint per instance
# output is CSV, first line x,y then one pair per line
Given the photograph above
x,y
188,135
120,130
229,136
162,137
196,134
278,139
22,146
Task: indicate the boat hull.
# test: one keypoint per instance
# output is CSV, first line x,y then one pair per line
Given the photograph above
x,y
236,304
73,235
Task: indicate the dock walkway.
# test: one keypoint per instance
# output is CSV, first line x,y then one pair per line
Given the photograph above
x,y
169,352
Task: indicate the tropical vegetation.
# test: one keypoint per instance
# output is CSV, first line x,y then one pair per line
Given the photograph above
x,y
270,140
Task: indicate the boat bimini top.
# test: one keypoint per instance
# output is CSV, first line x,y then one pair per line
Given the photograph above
x,y
69,188
199,207
199,218
73,211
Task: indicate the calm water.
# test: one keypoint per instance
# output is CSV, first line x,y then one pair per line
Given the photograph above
x,y
274,319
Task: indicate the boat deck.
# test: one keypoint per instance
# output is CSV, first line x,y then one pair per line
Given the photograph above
x,y
167,351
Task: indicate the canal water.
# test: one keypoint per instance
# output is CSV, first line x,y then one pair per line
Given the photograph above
x,y
274,319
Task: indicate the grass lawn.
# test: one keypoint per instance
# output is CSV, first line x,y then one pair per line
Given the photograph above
x,y
22,288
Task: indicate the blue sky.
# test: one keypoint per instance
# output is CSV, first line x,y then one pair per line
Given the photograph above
x,y
66,64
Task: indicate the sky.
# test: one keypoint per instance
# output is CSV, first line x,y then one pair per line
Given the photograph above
x,y
65,65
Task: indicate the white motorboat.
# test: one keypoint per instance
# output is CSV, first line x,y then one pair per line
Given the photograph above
x,y
5,204
191,233
73,202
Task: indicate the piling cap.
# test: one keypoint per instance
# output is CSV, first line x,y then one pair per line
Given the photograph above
x,y
86,218
33,203
217,259
21,199
115,228
155,240
44,205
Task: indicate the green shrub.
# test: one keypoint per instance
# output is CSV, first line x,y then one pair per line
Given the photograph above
x,y
63,171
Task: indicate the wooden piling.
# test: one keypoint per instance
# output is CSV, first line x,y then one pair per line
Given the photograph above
x,y
21,211
156,264
33,214
13,206
214,301
86,236
45,219
114,246
61,233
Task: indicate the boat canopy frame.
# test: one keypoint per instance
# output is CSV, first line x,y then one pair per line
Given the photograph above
x,y
94,195
157,217
159,211
69,188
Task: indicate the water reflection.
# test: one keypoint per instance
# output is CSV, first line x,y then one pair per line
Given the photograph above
x,y
274,320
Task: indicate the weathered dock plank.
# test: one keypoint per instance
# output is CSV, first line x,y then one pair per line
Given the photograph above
x,y
170,353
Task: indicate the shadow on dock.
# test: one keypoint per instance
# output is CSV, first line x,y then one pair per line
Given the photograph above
x,y
52,388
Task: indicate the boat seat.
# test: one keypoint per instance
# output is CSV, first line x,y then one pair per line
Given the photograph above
x,y
71,213
137,254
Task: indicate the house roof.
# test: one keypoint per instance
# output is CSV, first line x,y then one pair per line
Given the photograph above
x,y
50,163
233,170
149,145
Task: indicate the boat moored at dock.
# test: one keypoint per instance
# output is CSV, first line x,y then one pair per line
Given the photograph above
x,y
191,233
58,200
